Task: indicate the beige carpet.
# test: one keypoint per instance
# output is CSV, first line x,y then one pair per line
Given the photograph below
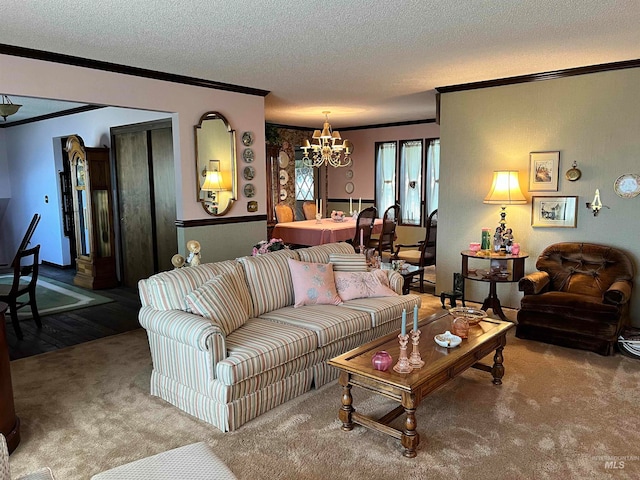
x,y
560,414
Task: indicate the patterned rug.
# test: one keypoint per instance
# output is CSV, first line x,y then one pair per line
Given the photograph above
x,y
56,297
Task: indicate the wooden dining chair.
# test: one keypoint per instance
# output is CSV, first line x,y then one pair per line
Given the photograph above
x,y
25,278
25,241
388,235
309,209
365,221
284,213
422,253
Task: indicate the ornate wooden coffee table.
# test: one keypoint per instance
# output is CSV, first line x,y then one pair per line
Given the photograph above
x,y
441,365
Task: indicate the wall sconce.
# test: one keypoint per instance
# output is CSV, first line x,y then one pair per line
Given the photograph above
x,y
596,205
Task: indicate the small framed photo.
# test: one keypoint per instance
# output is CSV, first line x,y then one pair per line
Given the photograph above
x,y
543,171
554,212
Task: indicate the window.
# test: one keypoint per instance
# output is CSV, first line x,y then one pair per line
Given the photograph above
x,y
408,176
304,179
385,175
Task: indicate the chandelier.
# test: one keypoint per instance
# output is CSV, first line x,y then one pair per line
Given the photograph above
x,y
7,107
327,148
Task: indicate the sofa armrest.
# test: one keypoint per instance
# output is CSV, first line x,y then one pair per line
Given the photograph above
x,y
183,327
534,283
618,293
396,281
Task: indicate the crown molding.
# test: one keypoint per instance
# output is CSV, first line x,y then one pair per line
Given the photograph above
x,y
536,77
125,70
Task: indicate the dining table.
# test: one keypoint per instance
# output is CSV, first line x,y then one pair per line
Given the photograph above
x,y
314,232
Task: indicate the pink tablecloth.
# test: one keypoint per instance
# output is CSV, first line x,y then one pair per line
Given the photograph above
x,y
309,232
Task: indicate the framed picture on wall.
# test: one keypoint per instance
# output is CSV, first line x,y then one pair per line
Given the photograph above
x,y
554,212
543,171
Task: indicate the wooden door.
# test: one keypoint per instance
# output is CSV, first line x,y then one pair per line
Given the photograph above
x,y
146,199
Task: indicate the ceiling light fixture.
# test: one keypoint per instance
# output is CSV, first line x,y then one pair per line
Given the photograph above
x,y
327,147
7,107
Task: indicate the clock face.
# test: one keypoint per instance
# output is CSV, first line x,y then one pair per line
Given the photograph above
x,y
573,174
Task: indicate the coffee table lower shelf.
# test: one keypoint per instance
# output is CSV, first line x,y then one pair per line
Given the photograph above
x,y
409,389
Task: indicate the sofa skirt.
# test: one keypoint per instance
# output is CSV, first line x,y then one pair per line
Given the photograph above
x,y
230,416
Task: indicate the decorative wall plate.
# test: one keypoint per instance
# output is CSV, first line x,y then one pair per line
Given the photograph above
x,y
627,185
349,174
249,190
247,155
349,187
247,139
283,194
284,177
248,173
283,159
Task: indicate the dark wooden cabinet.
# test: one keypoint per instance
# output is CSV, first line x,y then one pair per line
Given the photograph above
x,y
9,422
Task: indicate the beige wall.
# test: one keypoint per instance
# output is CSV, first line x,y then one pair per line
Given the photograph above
x,y
592,119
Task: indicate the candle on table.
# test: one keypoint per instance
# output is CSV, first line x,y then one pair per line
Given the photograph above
x,y
320,207
360,204
361,237
350,205
404,322
415,318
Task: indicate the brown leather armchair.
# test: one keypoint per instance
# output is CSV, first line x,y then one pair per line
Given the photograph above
x,y
579,298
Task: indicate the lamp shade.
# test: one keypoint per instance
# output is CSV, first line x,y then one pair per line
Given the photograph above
x,y
505,189
212,182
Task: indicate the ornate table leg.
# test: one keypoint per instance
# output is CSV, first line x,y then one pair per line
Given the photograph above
x,y
410,438
498,369
344,414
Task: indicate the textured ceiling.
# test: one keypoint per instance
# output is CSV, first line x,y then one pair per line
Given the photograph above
x,y
367,61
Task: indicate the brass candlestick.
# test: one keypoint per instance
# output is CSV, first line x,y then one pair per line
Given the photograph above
x,y
403,365
415,360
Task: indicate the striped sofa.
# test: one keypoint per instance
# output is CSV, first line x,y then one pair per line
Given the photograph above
x,y
261,351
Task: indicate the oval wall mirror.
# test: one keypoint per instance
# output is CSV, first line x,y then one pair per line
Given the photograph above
x,y
216,168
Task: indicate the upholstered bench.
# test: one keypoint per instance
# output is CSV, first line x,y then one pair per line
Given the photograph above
x,y
191,462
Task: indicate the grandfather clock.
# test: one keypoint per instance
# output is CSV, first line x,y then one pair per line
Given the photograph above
x,y
93,215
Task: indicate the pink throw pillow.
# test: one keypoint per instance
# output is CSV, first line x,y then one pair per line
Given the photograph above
x,y
352,285
313,283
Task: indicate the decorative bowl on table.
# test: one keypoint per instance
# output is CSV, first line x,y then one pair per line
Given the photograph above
x,y
447,340
473,315
337,216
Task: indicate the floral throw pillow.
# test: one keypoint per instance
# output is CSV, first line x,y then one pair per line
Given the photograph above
x,y
313,283
352,285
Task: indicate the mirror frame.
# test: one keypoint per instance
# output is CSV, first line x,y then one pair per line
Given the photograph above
x,y
202,165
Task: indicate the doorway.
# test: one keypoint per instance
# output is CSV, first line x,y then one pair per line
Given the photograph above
x,y
146,198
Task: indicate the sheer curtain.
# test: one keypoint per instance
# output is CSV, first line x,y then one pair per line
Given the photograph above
x,y
433,174
411,181
386,173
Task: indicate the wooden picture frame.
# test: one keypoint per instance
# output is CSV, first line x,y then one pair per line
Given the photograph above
x,y
543,171
554,212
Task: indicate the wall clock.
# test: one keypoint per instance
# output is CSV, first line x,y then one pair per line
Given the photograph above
x,y
573,173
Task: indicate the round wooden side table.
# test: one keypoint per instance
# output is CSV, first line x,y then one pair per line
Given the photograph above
x,y
502,269
9,422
